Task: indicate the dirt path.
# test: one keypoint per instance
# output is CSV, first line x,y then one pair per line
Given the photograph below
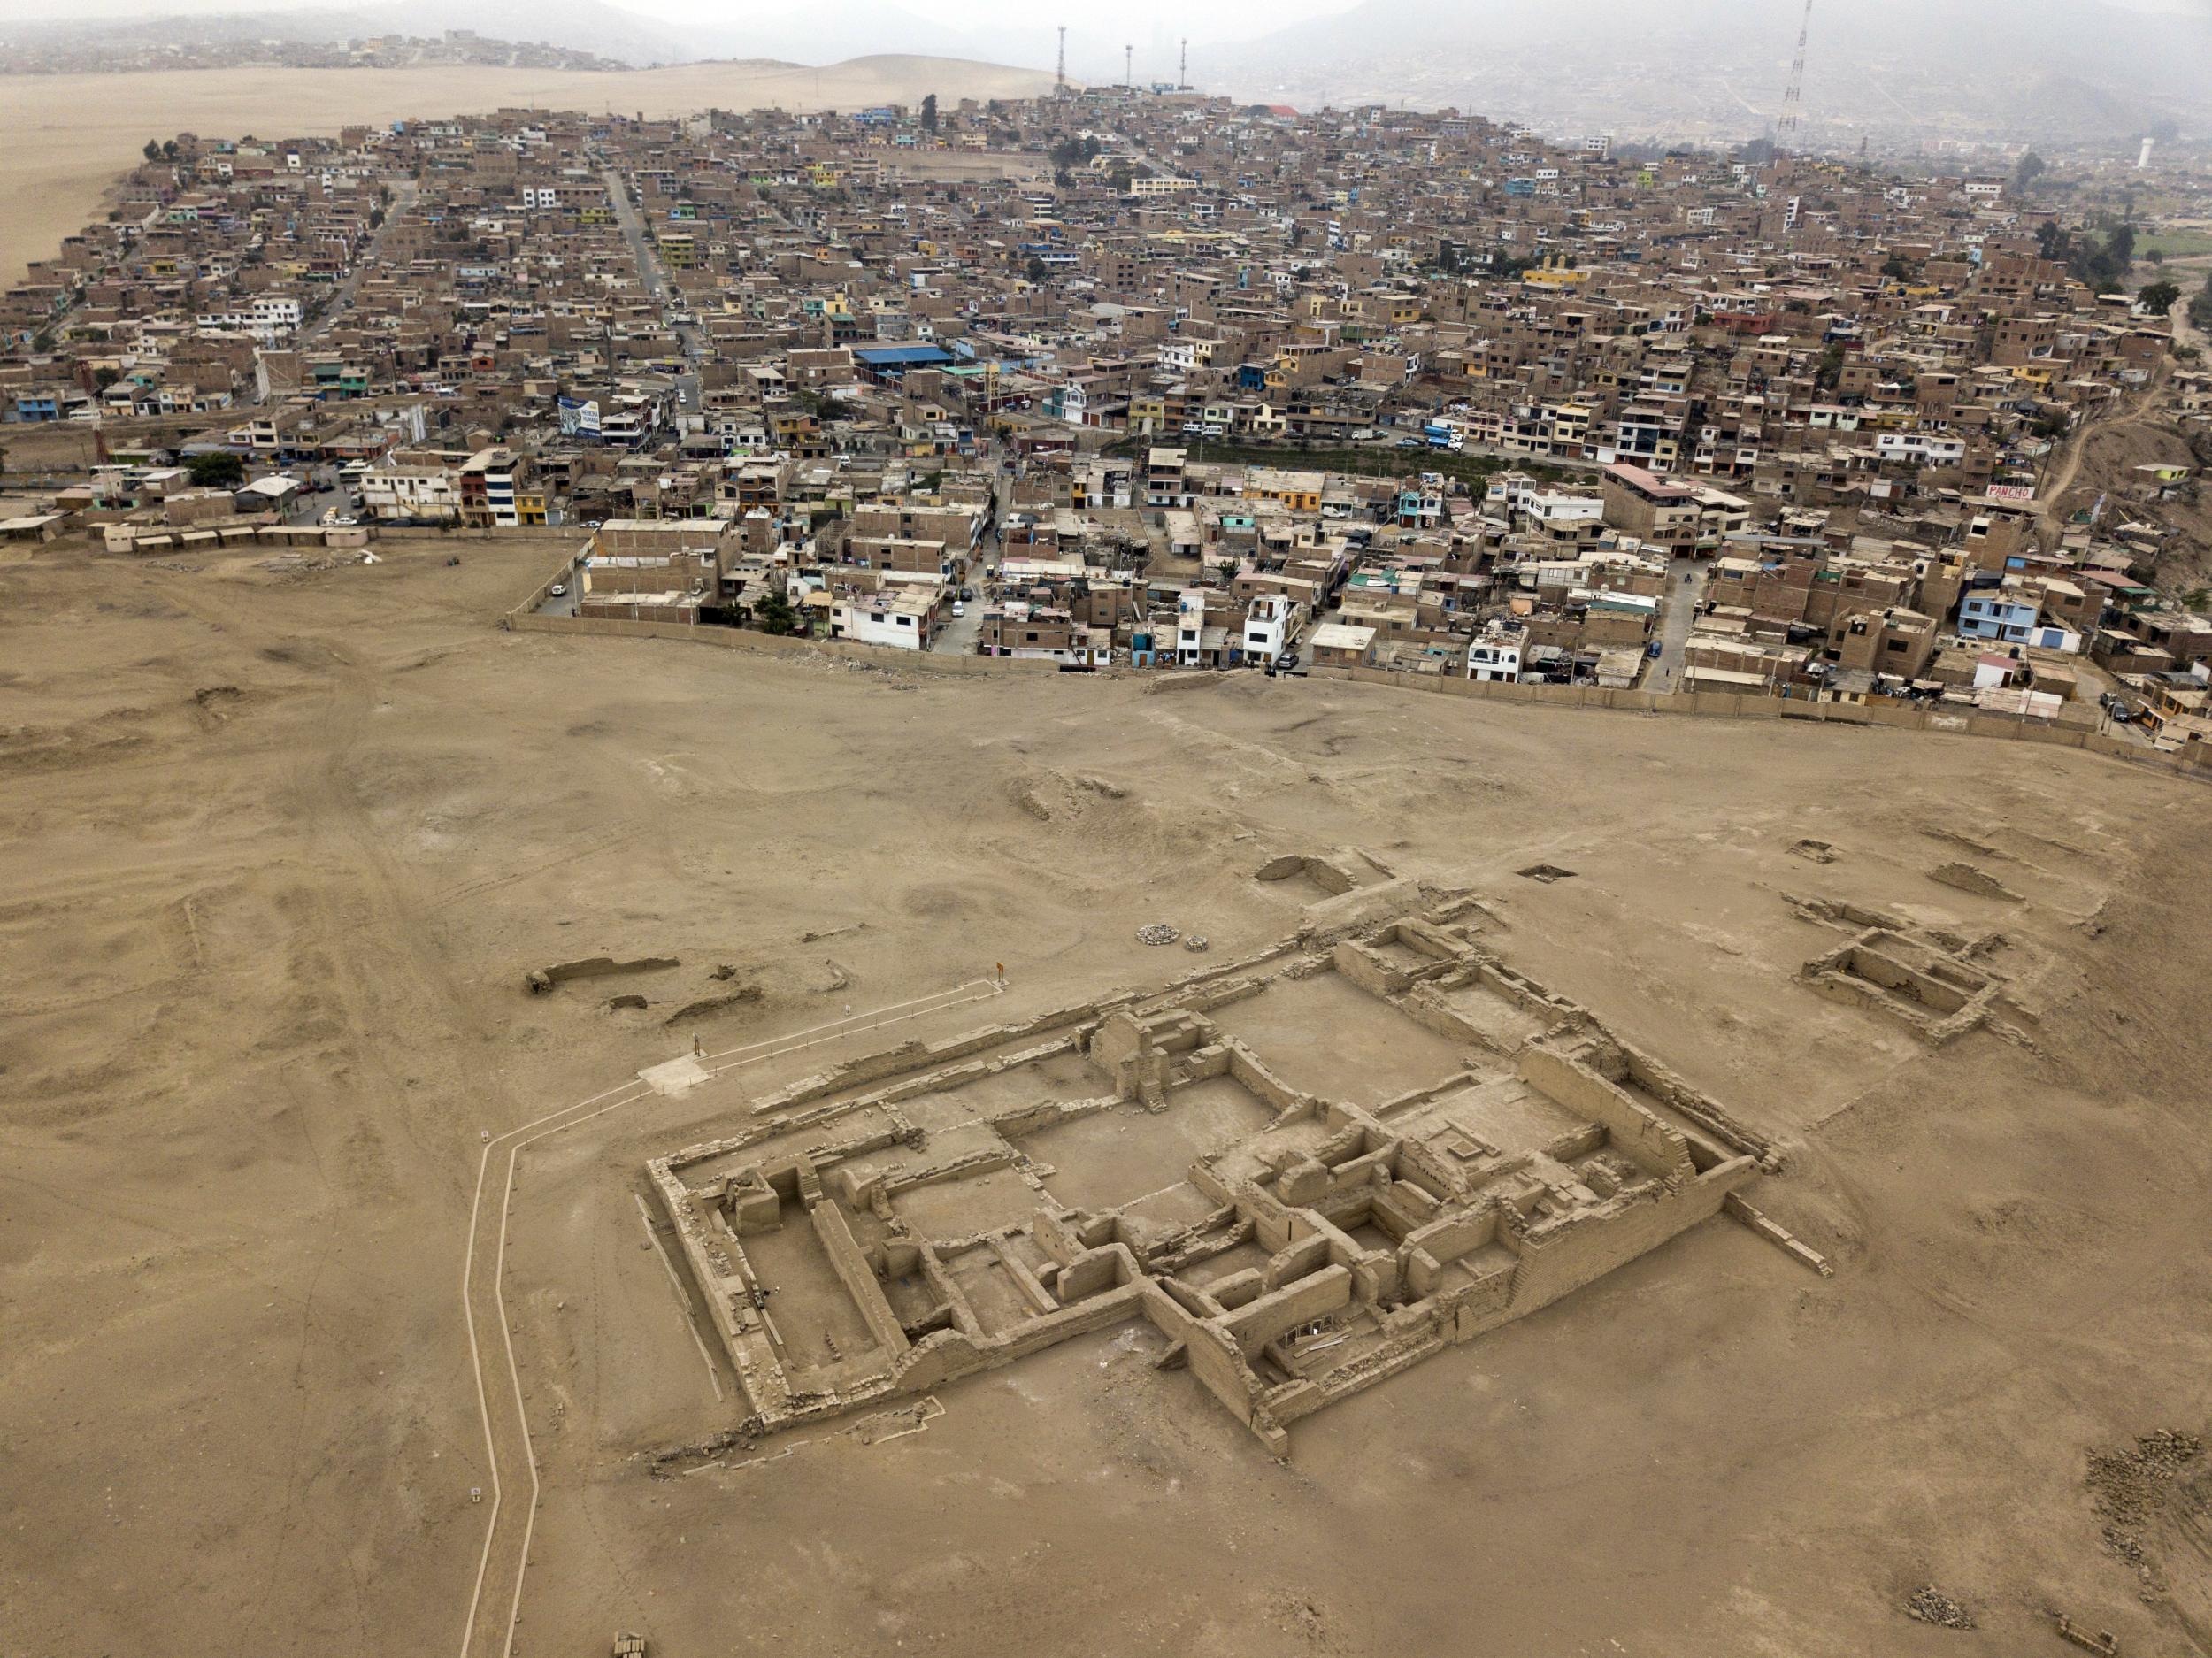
x,y
2136,411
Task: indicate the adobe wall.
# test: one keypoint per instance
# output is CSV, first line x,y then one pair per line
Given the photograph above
x,y
530,621
1633,1130
1560,1261
857,1276
2194,761
945,1355
1256,1324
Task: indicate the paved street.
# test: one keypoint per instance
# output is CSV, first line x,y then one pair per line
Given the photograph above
x,y
341,301
959,635
1683,598
658,287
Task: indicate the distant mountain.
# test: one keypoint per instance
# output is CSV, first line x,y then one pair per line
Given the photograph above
x,y
832,32
584,25
1929,66
828,32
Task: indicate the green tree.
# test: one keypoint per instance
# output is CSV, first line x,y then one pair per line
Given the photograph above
x,y
1036,270
2030,167
775,615
153,149
217,470
2158,298
104,378
169,150
929,113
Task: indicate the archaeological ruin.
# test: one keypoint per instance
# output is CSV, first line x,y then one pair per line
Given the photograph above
x,y
1308,1168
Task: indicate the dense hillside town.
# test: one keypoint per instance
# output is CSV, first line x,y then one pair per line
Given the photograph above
x,y
1142,378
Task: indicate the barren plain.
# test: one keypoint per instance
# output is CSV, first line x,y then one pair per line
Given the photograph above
x,y
282,844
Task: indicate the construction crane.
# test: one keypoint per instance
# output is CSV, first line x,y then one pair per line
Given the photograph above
x,y
1794,98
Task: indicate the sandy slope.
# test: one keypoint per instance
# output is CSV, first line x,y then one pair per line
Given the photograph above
x,y
281,850
63,137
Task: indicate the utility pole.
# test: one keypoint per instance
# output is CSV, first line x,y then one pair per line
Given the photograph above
x,y
1794,98
1060,74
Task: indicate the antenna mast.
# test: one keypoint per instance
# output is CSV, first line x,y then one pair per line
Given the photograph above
x,y
1128,66
1182,66
1060,74
1793,99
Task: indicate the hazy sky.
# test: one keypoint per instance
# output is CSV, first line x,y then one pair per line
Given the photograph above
x,y
1134,19
1137,20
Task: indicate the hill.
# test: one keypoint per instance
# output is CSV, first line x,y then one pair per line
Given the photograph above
x,y
1893,69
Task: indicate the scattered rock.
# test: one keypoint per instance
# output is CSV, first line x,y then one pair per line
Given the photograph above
x,y
722,970
1545,872
1158,932
2126,1486
1930,1605
613,1002
1816,851
1198,941
1100,786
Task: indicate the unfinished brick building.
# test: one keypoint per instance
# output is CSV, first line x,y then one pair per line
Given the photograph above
x,y
1308,1170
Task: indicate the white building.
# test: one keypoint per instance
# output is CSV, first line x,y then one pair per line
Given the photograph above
x,y
1190,627
1920,448
900,618
1494,657
390,490
1267,628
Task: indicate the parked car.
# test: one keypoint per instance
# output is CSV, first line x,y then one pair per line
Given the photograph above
x,y
1653,649
558,590
967,596
959,609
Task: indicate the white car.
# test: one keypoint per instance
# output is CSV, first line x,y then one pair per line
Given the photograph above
x,y
558,590
959,609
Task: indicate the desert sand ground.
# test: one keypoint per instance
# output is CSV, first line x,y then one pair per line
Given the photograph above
x,y
64,138
280,848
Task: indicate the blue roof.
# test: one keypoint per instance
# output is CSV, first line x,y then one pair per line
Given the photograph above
x,y
901,356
